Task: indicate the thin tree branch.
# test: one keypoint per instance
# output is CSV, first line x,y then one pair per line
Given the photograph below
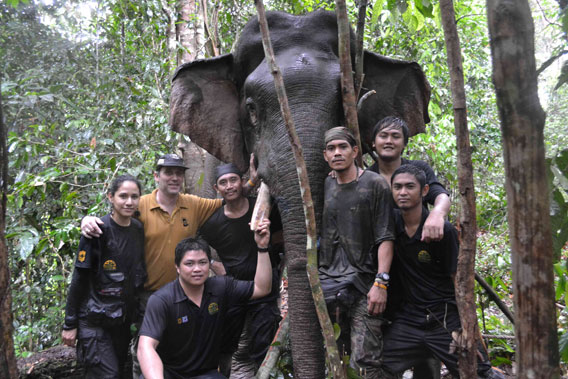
x,y
550,61
496,299
336,368
275,350
347,88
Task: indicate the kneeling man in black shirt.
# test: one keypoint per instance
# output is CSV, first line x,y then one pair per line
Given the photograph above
x,y
181,333
421,327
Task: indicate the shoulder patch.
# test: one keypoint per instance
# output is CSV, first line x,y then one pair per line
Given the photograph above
x,y
82,256
213,308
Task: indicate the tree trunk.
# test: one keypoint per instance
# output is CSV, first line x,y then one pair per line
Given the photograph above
x,y
522,122
7,359
347,87
188,34
335,365
465,281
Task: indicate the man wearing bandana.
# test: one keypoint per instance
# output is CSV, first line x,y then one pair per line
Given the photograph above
x,y
228,232
356,251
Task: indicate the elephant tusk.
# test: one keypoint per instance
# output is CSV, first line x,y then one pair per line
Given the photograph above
x,y
262,207
364,97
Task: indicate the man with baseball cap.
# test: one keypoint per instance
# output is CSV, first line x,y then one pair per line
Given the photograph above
x,y
169,216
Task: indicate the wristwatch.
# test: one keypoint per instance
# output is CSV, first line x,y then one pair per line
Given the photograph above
x,y
383,277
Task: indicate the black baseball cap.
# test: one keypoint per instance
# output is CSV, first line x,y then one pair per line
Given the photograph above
x,y
170,160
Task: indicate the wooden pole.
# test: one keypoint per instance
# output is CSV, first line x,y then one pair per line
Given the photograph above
x,y
511,32
336,367
465,282
359,76
275,349
347,88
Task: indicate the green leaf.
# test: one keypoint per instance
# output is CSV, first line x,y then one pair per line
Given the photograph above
x,y
563,347
336,331
26,245
377,9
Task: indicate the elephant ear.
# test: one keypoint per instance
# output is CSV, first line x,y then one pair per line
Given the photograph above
x,y
204,105
402,91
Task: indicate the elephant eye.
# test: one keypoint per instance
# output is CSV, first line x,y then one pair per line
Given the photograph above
x,y
251,109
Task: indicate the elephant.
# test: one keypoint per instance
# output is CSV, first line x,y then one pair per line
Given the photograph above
x,y
228,106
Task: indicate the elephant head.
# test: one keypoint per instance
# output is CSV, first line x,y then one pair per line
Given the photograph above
x,y
228,106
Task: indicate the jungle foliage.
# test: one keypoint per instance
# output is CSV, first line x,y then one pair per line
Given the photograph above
x,y
85,92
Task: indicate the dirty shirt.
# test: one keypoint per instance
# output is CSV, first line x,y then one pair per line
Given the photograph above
x,y
357,217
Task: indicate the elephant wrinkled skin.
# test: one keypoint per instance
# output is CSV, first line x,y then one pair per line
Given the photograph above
x,y
228,106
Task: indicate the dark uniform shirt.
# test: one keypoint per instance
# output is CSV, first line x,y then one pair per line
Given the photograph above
x,y
190,336
357,217
436,188
108,267
235,244
425,269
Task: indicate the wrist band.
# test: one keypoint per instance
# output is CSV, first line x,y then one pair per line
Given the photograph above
x,y
263,249
380,285
251,183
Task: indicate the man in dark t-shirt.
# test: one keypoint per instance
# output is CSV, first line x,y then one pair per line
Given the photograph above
x,y
228,232
356,251
181,334
421,327
390,137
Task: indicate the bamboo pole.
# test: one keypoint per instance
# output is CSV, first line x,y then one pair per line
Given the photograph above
x,y
336,368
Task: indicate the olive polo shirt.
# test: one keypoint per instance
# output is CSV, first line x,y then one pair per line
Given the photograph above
x,y
162,232
190,336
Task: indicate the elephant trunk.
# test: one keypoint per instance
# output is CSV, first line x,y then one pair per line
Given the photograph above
x,y
309,363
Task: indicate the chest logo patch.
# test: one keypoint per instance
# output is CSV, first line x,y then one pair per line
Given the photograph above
x,y
109,265
183,319
424,256
213,308
82,256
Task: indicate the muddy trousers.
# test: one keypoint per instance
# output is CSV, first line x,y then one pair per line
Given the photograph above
x,y
360,337
103,351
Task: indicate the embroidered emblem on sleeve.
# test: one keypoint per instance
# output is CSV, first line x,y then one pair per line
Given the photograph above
x,y
213,308
424,256
82,256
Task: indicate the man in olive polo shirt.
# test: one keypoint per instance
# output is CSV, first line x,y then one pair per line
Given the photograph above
x,y
169,216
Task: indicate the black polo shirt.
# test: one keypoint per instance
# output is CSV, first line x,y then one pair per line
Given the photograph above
x,y
425,269
190,336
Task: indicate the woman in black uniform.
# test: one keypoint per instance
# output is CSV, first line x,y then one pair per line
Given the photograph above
x,y
109,270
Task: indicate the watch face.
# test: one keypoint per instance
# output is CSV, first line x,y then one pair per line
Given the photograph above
x,y
383,276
